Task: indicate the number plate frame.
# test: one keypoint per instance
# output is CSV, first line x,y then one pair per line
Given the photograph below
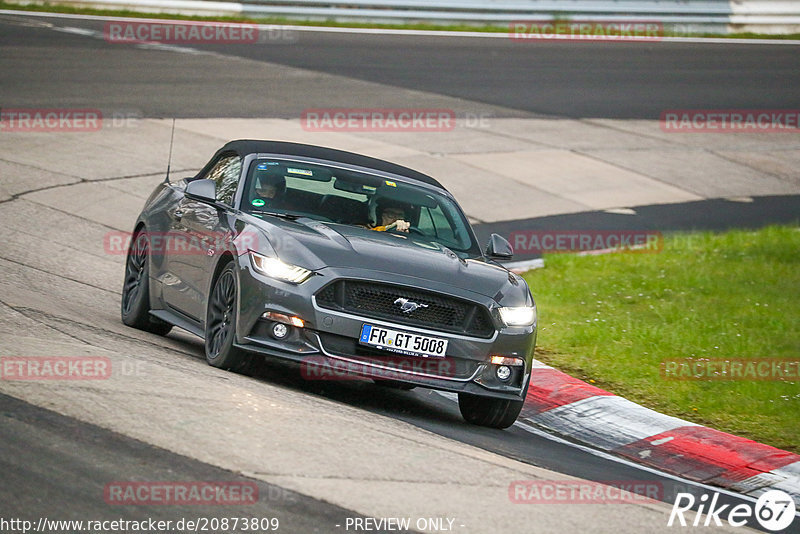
x,y
408,341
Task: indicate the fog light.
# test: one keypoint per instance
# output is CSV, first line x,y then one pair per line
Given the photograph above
x,y
280,330
503,373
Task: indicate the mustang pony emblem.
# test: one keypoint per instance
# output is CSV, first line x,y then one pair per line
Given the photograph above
x,y
406,306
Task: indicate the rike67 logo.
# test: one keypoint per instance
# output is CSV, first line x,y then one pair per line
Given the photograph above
x,y
774,511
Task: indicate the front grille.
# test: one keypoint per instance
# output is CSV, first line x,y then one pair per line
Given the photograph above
x,y
381,301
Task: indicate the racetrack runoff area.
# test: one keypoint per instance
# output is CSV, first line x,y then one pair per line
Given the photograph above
x,y
499,169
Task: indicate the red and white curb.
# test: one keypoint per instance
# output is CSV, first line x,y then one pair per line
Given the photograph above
x,y
589,415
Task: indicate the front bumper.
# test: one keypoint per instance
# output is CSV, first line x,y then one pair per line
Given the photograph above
x,y
327,346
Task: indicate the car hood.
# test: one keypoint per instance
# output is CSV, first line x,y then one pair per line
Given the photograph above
x,y
315,245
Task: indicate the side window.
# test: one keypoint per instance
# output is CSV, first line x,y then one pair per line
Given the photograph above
x,y
226,174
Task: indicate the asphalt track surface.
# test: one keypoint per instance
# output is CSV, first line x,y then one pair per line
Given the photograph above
x,y
573,80
56,467
703,215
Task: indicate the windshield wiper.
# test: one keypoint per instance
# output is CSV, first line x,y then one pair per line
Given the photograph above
x,y
289,216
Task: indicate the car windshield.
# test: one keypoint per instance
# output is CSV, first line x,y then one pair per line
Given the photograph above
x,y
331,194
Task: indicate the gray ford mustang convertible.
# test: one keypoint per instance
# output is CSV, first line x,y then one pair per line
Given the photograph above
x,y
346,264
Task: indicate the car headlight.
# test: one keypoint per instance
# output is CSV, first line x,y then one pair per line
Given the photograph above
x,y
518,316
275,268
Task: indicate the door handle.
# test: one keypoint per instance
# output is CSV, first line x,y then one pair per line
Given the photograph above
x,y
178,214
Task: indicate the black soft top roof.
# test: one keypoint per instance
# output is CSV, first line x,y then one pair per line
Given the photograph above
x,y
242,147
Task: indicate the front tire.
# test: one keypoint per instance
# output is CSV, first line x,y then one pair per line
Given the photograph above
x,y
488,411
221,324
135,302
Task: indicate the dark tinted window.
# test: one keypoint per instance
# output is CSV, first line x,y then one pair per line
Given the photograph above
x,y
226,174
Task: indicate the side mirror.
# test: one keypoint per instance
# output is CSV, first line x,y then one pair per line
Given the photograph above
x,y
499,247
202,190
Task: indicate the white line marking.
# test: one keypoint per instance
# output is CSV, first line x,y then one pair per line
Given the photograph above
x,y
146,45
662,440
621,211
170,48
76,31
524,265
791,470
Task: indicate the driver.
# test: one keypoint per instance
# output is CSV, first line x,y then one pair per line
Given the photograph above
x,y
391,215
270,186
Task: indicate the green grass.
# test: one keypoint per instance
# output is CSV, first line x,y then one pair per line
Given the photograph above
x,y
612,319
57,8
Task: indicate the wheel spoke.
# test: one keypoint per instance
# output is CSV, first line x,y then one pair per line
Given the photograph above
x,y
220,312
225,290
136,263
134,270
139,252
218,340
214,328
130,297
217,308
130,283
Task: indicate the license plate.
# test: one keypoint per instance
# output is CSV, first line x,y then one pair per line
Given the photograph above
x,y
402,342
